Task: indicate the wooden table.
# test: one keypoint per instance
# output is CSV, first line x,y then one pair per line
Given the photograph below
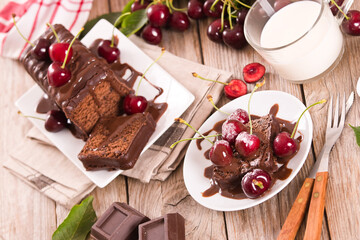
x,y
26,214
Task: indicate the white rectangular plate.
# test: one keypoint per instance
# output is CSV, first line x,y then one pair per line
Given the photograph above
x,y
177,97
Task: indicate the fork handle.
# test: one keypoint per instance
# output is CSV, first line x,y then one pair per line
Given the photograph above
x,y
297,212
316,209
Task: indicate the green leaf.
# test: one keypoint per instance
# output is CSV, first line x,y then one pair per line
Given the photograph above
x,y
78,223
357,134
127,7
133,22
111,17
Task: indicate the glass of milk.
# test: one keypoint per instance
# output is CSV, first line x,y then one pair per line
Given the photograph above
x,y
301,39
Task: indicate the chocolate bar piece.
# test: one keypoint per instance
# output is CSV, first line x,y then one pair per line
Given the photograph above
x,y
119,222
169,227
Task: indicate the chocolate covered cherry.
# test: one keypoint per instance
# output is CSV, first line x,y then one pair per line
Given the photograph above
x,y
284,145
230,129
221,153
255,183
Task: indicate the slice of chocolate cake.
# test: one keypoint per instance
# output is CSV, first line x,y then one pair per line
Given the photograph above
x,y
117,142
93,91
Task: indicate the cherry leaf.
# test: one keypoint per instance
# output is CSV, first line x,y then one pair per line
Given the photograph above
x,y
357,134
78,223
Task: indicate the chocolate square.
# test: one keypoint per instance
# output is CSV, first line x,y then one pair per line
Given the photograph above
x,y
169,227
119,222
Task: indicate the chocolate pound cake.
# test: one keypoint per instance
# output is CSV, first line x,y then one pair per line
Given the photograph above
x,y
117,142
93,91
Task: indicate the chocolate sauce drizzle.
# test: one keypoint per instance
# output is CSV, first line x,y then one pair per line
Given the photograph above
x,y
231,186
120,70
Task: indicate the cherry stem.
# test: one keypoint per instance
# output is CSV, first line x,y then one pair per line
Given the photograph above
x,y
243,4
53,30
168,5
189,139
297,123
337,6
180,120
206,79
13,18
68,50
142,2
138,86
21,114
176,9
210,98
229,13
212,8
258,183
256,87
222,17
117,22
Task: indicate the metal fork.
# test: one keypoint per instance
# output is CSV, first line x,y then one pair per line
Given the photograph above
x,y
320,170
318,177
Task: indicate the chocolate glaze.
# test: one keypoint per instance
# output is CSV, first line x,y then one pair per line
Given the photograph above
x,y
120,70
46,104
87,70
227,180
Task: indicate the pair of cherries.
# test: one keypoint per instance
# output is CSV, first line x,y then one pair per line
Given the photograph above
x,y
132,103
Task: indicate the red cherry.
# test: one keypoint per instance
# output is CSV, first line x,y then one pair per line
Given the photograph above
x,y
241,16
217,8
214,30
247,144
57,52
279,4
230,129
221,154
240,115
236,88
134,104
179,21
253,72
58,76
195,9
352,26
111,54
333,8
151,34
137,5
41,49
158,14
234,37
55,121
255,183
284,145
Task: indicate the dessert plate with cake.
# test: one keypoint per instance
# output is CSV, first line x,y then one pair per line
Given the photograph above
x,y
93,100
222,175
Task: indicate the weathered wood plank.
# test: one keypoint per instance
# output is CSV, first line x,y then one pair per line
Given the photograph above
x,y
20,204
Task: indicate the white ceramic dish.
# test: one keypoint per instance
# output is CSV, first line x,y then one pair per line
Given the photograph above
x,y
177,97
290,109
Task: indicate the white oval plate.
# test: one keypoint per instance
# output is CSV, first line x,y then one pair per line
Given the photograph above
x,y
290,109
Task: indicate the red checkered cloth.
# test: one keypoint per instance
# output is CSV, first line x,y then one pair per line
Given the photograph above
x,y
31,18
